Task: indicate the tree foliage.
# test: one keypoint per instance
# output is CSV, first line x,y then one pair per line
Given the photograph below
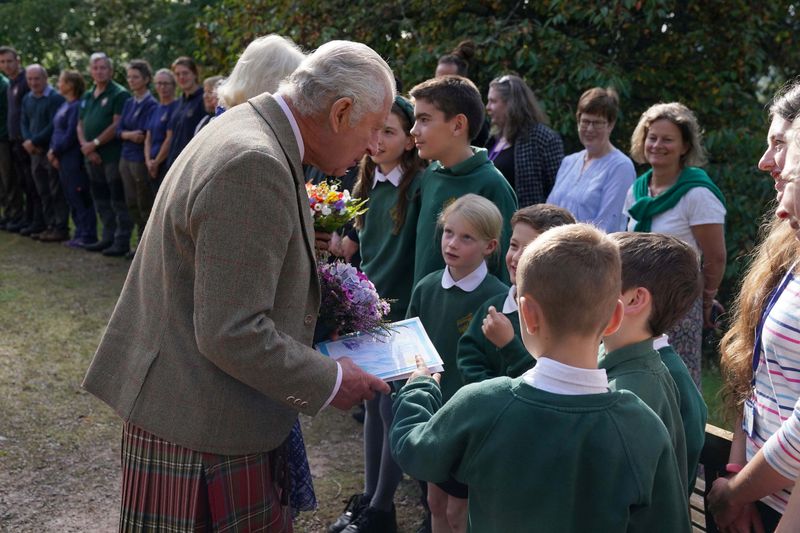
x,y
63,33
721,58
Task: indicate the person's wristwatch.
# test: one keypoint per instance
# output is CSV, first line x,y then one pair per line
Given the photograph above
x,y
96,142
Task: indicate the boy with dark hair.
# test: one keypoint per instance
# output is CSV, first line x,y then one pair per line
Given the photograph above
x,y
448,113
552,450
492,345
660,281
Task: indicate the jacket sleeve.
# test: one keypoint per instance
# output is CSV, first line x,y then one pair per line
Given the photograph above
x,y
552,153
516,358
618,180
24,120
241,223
42,138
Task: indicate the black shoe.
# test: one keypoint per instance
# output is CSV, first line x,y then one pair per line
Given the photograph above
x,y
373,520
30,230
15,226
99,246
356,504
116,250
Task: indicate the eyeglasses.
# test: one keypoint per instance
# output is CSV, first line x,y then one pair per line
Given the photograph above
x,y
595,124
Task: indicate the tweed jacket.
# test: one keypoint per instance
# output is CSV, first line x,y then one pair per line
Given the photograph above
x,y
209,344
537,155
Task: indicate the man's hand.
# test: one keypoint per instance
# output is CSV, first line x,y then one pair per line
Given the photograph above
x,y
348,248
29,146
88,148
152,168
322,240
94,158
356,386
422,370
497,328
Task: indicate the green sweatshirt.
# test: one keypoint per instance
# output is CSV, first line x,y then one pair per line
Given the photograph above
x,y
479,359
638,368
536,461
441,186
388,259
694,412
446,314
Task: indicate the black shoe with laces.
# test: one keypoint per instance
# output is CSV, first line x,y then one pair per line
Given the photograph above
x,y
356,504
373,520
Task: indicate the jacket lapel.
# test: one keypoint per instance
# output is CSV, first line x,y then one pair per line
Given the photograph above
x,y
266,106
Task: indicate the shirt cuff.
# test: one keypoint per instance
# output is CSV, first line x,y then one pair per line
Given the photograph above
x,y
335,386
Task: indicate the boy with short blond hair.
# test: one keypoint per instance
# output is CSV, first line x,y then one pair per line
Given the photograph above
x,y
448,114
529,447
492,345
660,281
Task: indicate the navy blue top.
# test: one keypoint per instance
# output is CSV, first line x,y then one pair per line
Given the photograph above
x,y
64,142
158,123
135,116
37,116
183,123
17,89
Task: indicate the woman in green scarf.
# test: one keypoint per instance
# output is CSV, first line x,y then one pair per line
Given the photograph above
x,y
678,198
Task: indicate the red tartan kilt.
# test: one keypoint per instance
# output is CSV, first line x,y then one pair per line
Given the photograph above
x,y
171,488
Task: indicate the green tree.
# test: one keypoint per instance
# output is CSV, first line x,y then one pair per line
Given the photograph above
x,y
721,58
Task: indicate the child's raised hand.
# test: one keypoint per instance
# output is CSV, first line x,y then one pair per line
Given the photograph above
x,y
497,328
422,370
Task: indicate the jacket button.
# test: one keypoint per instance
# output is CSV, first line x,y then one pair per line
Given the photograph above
x,y
308,320
298,402
304,405
290,399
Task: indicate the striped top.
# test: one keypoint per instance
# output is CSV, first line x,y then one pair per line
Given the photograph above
x,y
776,421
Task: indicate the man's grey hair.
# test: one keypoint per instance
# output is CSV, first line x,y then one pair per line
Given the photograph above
x,y
97,56
37,66
340,69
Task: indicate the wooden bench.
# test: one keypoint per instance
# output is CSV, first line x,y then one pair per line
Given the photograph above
x,y
713,459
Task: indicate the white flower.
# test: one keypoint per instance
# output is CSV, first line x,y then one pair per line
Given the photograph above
x,y
326,210
346,195
318,207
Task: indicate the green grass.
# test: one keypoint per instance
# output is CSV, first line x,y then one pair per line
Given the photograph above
x,y
712,383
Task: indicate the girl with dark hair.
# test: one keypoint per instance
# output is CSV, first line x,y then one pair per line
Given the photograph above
x,y
190,110
522,147
65,155
387,233
131,129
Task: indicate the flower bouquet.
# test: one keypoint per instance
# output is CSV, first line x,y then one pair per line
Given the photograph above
x,y
350,302
332,208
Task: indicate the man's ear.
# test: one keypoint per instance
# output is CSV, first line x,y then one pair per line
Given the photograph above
x,y
339,116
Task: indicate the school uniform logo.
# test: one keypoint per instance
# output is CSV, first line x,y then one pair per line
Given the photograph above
x,y
463,323
104,101
165,117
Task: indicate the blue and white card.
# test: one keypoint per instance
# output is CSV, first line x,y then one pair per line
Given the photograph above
x,y
387,355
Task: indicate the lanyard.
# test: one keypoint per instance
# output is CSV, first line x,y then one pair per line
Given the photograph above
x,y
771,301
496,149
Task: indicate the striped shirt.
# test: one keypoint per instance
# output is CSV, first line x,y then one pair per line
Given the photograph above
x,y
776,420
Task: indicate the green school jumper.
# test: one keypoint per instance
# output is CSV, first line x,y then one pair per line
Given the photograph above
x,y
638,368
388,259
446,314
536,461
441,186
479,359
694,412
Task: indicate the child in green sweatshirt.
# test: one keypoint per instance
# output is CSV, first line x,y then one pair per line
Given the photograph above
x,y
445,301
492,345
553,450
660,282
449,113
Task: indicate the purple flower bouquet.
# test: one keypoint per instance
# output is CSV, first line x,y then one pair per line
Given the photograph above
x,y
350,302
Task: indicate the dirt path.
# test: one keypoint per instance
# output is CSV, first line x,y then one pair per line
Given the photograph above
x,y
59,447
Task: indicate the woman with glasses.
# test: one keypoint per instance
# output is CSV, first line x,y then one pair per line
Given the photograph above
x,y
592,184
158,137
677,198
522,147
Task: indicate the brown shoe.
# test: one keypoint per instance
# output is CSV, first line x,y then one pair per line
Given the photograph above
x,y
54,235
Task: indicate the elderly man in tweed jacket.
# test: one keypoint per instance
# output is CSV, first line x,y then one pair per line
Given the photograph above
x,y
207,355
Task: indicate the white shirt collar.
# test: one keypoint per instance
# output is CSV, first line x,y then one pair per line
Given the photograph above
x,y
394,176
469,282
551,376
295,128
510,305
660,342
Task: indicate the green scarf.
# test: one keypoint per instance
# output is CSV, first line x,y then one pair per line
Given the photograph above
x,y
645,207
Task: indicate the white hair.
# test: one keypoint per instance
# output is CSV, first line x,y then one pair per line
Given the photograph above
x,y
263,64
40,68
98,56
340,69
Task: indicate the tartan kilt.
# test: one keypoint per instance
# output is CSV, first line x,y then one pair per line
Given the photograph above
x,y
166,487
